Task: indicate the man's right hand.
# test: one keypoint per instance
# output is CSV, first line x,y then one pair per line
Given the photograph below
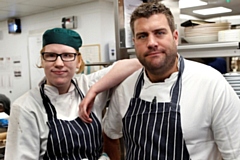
x,y
111,147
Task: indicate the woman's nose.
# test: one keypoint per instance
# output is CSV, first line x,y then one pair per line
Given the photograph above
x,y
59,61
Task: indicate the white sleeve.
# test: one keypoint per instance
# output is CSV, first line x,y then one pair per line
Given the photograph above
x,y
226,121
102,98
95,76
23,140
112,122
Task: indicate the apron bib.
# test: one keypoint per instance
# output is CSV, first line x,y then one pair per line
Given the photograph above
x,y
71,139
151,130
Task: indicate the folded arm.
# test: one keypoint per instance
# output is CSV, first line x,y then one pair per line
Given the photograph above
x,y
121,70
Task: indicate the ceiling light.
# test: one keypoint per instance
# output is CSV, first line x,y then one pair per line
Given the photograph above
x,y
210,11
191,3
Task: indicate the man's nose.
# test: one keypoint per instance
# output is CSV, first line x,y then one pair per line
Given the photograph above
x,y
152,42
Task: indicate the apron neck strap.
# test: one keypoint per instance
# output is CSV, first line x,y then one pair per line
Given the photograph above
x,y
139,84
78,89
175,90
50,109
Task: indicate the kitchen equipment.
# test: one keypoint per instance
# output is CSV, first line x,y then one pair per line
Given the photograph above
x,y
233,79
229,35
204,33
201,39
3,135
235,64
193,22
199,30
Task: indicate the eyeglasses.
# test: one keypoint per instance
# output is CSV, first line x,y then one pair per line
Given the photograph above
x,y
65,57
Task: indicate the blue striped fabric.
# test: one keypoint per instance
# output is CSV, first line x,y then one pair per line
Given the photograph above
x,y
72,140
152,130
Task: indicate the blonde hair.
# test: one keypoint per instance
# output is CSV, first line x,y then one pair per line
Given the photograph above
x,y
79,58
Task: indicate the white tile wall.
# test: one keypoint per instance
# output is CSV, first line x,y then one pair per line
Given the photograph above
x,y
95,24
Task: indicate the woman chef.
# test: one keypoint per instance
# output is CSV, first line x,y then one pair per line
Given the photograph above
x,y
44,122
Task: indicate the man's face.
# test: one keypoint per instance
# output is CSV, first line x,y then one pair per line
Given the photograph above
x,y
155,44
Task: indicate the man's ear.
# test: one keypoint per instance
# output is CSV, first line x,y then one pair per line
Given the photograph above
x,y
175,36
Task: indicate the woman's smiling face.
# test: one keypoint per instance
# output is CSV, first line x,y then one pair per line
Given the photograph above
x,y
60,73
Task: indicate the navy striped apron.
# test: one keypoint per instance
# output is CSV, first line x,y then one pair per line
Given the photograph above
x,y
151,130
71,140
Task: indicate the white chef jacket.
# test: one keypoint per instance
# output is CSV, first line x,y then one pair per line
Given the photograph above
x,y
28,131
210,110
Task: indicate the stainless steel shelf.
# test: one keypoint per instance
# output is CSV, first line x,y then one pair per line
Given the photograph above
x,y
104,64
219,49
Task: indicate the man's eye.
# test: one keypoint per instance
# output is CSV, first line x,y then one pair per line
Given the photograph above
x,y
141,36
160,33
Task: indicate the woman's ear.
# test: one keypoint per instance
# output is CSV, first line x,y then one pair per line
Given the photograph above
x,y
41,61
79,62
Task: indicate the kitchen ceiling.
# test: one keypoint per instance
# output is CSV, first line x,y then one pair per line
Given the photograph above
x,y
233,4
21,8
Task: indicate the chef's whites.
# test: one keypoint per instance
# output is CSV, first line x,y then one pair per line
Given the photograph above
x,y
233,79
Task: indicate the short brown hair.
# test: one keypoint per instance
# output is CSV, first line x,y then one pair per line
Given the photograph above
x,y
145,10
